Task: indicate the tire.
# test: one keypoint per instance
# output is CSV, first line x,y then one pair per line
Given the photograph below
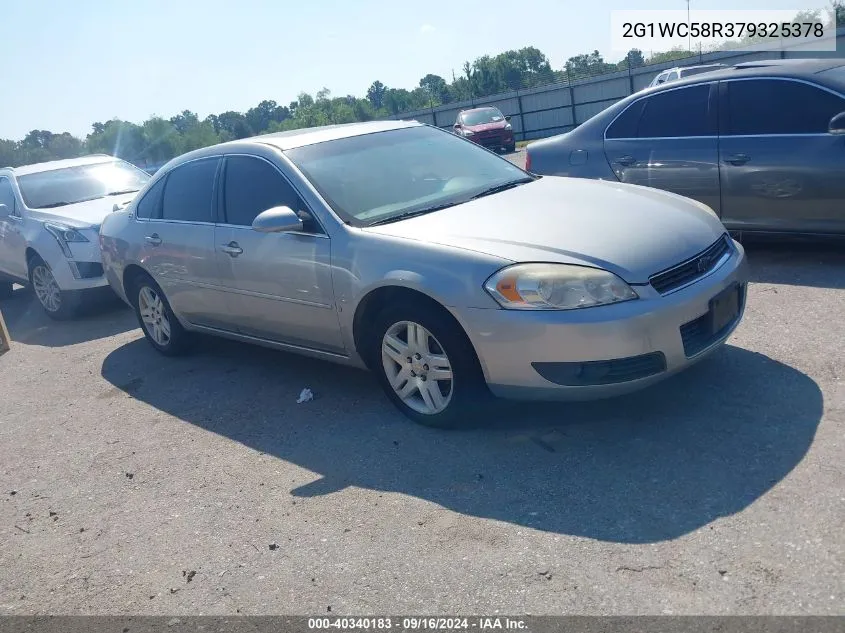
x,y
461,396
160,326
510,149
59,304
6,289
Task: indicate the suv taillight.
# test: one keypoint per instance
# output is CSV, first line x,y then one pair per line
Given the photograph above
x,y
527,161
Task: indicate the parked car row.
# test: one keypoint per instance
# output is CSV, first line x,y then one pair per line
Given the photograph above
x,y
448,271
761,143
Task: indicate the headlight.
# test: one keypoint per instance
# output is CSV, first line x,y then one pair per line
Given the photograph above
x,y
556,287
468,132
508,126
65,235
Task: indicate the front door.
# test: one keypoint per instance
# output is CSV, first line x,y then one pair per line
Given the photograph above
x,y
780,168
279,285
669,141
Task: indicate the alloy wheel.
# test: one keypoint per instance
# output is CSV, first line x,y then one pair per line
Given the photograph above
x,y
46,288
417,367
154,316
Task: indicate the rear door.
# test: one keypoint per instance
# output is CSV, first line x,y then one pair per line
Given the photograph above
x,y
178,249
669,141
12,241
780,168
279,285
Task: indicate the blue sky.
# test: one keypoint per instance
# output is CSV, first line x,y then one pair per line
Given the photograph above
x,y
70,63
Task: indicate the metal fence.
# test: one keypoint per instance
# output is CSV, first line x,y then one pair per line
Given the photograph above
x,y
557,108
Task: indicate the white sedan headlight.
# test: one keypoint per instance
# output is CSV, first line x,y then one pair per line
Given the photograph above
x,y
556,287
65,235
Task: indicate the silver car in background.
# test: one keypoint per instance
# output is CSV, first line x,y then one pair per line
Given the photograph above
x,y
761,143
445,269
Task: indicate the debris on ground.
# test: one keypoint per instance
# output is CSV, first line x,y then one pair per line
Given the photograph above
x,y
273,546
305,395
130,475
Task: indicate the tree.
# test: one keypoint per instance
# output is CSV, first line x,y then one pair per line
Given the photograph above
x,y
436,88
588,65
376,93
118,138
261,116
633,59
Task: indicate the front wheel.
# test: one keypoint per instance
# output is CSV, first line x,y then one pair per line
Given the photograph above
x,y
427,366
57,303
160,326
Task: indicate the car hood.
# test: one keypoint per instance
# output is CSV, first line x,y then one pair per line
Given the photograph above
x,y
83,214
629,230
485,127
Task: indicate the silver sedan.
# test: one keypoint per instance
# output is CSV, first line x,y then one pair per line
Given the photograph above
x,y
446,270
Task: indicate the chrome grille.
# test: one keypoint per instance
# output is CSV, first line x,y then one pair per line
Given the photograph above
x,y
693,268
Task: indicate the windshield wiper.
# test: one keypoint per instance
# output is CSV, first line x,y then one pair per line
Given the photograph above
x,y
502,187
120,193
54,204
412,214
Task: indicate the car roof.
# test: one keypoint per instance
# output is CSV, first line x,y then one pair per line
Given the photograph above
x,y
291,139
479,109
35,168
796,68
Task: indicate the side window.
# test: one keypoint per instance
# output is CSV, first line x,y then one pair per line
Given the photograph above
x,y
625,125
772,106
189,192
672,76
7,197
149,207
252,186
682,112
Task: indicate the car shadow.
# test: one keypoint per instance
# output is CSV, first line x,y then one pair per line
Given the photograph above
x,y
797,263
28,324
638,469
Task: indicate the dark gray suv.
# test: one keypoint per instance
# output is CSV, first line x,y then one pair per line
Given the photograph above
x,y
762,144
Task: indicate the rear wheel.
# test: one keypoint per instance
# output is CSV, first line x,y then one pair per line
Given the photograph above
x,y
426,365
160,326
57,303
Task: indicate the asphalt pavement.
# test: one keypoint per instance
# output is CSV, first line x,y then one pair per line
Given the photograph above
x,y
133,483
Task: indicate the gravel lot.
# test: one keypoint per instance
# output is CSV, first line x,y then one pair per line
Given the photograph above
x,y
133,483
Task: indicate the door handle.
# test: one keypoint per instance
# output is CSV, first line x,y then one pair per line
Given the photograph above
x,y
153,239
232,249
626,160
737,159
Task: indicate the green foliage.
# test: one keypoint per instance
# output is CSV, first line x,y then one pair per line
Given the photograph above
x,y
157,139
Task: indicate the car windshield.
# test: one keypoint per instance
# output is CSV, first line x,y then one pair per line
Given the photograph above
x,y
480,117
69,185
375,178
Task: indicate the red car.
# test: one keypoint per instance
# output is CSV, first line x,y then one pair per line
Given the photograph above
x,y
487,127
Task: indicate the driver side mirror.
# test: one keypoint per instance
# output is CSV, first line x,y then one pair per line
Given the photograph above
x,y
277,220
457,126
837,124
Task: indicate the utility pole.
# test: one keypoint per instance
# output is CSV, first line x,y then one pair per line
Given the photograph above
x,y
689,35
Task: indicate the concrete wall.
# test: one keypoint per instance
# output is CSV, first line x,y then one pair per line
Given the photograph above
x,y
557,108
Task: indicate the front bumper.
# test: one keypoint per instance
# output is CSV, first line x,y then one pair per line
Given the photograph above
x,y
83,271
644,340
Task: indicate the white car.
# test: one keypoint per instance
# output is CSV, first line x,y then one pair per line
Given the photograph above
x,y
682,72
50,216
